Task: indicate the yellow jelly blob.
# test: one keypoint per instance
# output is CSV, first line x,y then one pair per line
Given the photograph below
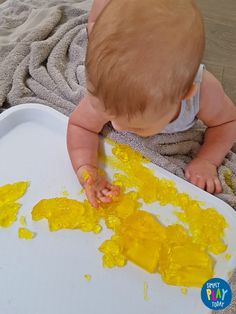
x,y
9,193
185,265
206,225
26,234
8,214
184,291
63,213
64,193
87,277
122,206
113,252
22,221
142,236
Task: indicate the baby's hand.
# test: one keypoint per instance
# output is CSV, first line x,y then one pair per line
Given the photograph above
x,y
96,187
203,174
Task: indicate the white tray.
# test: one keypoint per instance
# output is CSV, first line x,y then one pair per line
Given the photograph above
x,y
46,275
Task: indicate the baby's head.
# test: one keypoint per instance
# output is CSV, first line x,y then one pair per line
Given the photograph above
x,y
141,61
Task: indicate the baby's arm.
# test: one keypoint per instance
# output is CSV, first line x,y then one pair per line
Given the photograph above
x,y
82,143
219,115
97,7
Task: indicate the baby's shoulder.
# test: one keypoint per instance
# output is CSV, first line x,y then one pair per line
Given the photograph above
x,y
86,116
211,90
215,106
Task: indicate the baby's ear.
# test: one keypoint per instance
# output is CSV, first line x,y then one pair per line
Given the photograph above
x,y
191,92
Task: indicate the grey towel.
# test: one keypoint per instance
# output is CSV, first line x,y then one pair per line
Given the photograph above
x,y
42,50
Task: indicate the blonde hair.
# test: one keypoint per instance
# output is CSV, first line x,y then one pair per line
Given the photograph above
x,y
144,53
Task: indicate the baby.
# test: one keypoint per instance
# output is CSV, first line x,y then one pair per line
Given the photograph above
x,y
144,75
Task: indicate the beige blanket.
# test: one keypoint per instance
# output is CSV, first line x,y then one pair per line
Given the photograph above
x,y
42,50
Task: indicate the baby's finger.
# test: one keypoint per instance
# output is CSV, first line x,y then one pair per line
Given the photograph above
x,y
218,187
201,183
89,181
106,192
115,189
193,180
91,196
187,174
210,186
103,198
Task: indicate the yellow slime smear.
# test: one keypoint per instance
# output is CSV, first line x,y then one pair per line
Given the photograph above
x,y
85,175
228,178
26,234
145,291
9,193
180,254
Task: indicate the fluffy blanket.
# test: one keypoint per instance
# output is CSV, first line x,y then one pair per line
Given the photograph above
x,y
42,50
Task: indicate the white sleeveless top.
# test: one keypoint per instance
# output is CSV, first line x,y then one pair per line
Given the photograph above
x,y
189,109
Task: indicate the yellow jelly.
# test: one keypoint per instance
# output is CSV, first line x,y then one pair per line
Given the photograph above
x,y
26,234
145,291
9,208
205,225
22,221
185,265
184,291
180,253
228,256
64,193
121,207
113,252
143,237
8,214
11,192
63,213
87,277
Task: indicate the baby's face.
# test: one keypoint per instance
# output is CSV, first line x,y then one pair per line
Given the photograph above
x,y
143,124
